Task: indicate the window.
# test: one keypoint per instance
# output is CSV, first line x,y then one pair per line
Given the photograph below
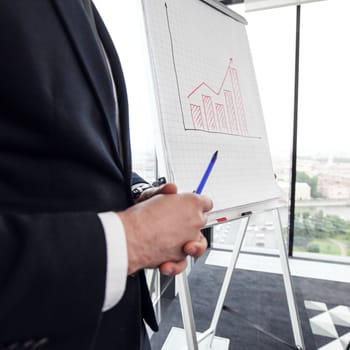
x,y
322,222
322,214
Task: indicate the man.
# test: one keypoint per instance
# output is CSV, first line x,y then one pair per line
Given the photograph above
x,y
69,232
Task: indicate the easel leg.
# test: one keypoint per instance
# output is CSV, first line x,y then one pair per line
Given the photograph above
x,y
294,316
185,298
228,276
187,311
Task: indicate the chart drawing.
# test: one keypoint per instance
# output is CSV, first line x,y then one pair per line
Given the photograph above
x,y
214,107
219,110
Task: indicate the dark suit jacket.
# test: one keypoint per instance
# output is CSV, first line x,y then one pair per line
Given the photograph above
x,y
59,166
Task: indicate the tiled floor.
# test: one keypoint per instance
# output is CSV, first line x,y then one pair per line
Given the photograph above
x,y
331,323
298,267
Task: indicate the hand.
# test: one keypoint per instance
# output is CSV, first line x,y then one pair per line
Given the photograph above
x,y
193,248
164,229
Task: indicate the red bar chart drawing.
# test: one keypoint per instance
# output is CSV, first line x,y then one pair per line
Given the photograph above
x,y
219,110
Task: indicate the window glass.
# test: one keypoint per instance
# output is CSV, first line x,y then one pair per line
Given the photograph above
x,y
124,21
322,223
271,35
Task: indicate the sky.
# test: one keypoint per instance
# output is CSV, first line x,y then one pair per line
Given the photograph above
x,y
324,77
324,108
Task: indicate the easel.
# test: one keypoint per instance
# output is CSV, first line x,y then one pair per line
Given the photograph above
x,y
193,340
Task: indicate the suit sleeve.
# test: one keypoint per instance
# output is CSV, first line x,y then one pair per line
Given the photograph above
x,y
52,274
136,178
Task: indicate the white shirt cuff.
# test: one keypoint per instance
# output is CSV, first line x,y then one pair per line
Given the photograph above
x,y
117,258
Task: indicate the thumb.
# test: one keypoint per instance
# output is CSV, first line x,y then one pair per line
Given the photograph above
x,y
168,188
172,268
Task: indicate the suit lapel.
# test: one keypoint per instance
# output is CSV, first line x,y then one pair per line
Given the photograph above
x,y
93,63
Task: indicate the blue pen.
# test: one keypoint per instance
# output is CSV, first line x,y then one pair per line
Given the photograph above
x,y
206,173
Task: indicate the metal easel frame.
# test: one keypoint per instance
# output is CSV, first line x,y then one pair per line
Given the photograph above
x,y
185,298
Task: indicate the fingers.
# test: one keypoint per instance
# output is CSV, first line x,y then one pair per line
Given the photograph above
x,y
171,268
207,203
193,248
168,188
196,248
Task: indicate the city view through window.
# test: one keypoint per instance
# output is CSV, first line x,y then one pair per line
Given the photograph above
x,y
322,208
322,215
322,223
